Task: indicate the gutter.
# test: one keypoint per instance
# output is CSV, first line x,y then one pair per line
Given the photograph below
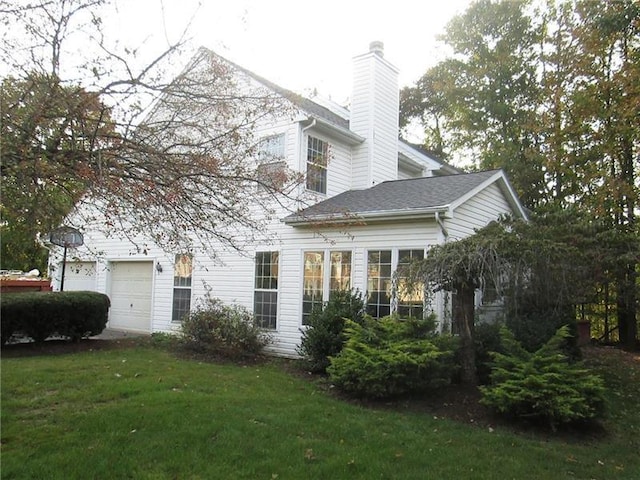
x,y
379,216
347,135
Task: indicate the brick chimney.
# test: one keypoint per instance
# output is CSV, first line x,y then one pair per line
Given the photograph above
x,y
374,116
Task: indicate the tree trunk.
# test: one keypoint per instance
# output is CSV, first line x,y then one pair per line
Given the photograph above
x,y
626,304
463,318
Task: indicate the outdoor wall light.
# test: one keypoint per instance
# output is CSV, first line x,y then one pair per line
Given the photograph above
x,y
158,268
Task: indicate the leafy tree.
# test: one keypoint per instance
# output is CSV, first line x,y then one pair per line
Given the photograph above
x,y
429,103
49,159
548,91
174,161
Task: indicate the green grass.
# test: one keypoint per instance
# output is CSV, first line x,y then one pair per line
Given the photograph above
x,y
143,413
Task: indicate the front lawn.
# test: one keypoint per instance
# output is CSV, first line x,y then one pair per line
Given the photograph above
x,y
144,413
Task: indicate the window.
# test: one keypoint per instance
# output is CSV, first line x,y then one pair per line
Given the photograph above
x,y
265,302
272,169
313,280
340,272
317,155
271,149
491,291
379,283
410,296
182,271
323,273
383,297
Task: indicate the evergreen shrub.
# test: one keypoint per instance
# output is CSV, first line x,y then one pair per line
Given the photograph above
x,y
225,330
545,385
390,357
40,315
486,338
324,336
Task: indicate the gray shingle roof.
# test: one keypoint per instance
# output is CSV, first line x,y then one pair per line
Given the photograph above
x,y
401,196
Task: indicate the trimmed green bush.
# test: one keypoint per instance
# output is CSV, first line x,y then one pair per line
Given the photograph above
x,y
486,339
544,385
225,330
40,315
390,357
324,336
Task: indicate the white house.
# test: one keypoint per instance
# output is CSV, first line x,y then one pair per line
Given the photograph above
x,y
380,202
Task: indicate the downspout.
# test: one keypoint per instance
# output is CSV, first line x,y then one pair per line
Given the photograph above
x,y
440,302
443,229
311,125
302,167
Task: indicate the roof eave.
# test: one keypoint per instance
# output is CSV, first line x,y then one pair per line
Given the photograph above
x,y
347,136
366,217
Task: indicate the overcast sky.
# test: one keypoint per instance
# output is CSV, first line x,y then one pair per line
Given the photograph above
x,y
300,45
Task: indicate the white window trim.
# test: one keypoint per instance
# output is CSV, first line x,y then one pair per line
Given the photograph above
x,y
305,162
181,287
277,290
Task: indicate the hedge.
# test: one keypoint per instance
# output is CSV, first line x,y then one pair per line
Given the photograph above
x,y
40,315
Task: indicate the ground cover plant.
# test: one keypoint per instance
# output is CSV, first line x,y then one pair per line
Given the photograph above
x,y
141,412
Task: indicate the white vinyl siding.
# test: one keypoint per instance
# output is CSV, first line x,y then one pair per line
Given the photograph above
x,y
477,212
79,276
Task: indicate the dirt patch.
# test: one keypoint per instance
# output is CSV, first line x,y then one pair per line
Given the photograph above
x,y
62,347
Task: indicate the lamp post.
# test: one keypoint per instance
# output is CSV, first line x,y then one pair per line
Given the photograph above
x,y
66,237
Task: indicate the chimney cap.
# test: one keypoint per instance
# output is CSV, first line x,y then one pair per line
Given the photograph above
x,y
377,47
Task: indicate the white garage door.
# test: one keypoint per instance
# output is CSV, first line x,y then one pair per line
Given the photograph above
x,y
80,276
131,296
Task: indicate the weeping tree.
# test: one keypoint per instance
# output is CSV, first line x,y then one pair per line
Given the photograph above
x,y
541,269
462,267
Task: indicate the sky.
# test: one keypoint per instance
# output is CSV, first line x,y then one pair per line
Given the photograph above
x,y
299,45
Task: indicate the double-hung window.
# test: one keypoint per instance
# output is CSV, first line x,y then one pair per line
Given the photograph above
x,y
271,172
265,300
324,272
182,272
379,283
410,293
271,148
388,293
313,283
317,157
